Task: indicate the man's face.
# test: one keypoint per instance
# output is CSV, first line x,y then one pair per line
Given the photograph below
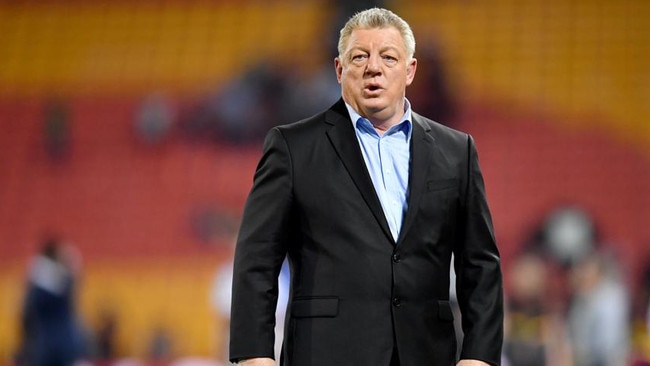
x,y
374,72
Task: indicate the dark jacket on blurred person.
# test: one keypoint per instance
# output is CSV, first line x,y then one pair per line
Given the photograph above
x,y
51,336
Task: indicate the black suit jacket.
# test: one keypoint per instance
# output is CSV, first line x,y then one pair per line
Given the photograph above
x,y
356,294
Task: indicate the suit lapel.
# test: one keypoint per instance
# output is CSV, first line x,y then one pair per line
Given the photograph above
x,y
344,140
422,151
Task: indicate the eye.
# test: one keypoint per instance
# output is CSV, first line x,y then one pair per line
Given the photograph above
x,y
358,57
389,58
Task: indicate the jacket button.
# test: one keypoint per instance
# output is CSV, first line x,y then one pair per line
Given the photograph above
x,y
396,258
397,302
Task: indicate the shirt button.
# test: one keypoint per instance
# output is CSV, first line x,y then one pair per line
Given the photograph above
x,y
397,302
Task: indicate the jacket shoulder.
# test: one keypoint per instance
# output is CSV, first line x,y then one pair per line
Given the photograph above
x,y
440,132
317,123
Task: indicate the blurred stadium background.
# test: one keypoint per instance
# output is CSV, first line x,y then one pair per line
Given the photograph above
x,y
113,136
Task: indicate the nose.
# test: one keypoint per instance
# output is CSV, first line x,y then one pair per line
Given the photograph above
x,y
373,67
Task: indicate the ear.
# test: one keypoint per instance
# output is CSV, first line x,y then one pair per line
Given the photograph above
x,y
410,71
339,68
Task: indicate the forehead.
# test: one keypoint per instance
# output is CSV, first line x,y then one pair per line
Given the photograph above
x,y
388,37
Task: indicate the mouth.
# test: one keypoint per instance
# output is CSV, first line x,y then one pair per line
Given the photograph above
x,y
372,88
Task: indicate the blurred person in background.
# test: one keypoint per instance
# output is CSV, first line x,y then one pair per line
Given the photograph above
x,y
640,324
599,316
243,109
369,200
52,335
594,300
57,130
527,312
568,234
430,93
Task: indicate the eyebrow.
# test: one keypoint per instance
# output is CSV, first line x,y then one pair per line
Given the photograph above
x,y
383,49
390,48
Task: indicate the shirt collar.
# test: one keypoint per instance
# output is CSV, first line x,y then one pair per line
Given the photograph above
x,y
406,117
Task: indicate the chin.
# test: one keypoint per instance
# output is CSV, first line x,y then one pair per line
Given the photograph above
x,y
374,109
374,104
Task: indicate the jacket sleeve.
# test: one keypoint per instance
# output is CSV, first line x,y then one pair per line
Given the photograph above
x,y
479,281
260,250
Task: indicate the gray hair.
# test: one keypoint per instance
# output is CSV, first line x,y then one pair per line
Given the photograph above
x,y
377,18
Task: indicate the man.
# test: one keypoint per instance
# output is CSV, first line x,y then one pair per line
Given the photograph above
x,y
52,335
369,200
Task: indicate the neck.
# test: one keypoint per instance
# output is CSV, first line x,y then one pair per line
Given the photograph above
x,y
381,127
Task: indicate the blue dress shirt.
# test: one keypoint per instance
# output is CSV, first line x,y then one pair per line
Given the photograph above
x,y
387,158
